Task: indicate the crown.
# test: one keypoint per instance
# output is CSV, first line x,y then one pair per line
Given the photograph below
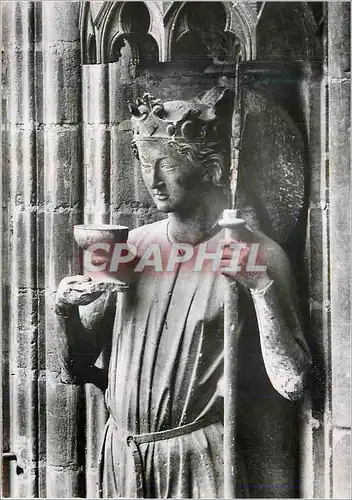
x,y
186,121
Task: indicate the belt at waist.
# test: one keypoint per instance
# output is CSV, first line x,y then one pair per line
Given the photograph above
x,y
168,433
133,441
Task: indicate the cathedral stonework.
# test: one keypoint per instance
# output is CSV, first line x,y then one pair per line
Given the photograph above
x,y
176,249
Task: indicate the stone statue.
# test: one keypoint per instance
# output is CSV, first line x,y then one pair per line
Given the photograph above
x,y
164,436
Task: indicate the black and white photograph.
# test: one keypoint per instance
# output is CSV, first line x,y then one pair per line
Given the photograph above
x,y
176,249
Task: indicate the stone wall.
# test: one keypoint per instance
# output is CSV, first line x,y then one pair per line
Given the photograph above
x,y
42,158
338,414
66,159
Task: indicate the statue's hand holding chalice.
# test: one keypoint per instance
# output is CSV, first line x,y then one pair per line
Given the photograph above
x,y
102,246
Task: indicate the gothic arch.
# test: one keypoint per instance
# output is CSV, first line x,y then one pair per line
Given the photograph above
x,y
240,22
102,22
109,26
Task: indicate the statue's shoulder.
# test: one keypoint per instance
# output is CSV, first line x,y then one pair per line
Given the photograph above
x,y
149,233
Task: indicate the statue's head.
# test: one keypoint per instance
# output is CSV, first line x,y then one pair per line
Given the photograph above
x,y
183,148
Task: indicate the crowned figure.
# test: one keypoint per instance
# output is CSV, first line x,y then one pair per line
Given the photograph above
x,y
164,435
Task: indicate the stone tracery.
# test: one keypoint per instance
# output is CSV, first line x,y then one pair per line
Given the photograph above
x,y
164,24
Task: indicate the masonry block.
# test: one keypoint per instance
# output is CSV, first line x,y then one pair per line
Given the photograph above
x,y
61,62
40,330
24,432
62,414
339,39
96,417
62,93
5,346
92,482
96,412
62,164
23,23
18,44
23,485
23,261
24,390
317,224
61,244
340,246
39,79
341,374
119,97
42,479
24,328
64,482
95,93
22,156
124,217
21,102
321,456
339,146
53,330
7,14
41,393
123,168
60,22
5,87
341,463
97,173
315,140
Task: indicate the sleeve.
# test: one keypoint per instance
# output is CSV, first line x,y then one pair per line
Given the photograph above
x,y
84,332
285,352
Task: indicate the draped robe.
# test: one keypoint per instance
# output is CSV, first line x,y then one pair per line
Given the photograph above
x,y
166,362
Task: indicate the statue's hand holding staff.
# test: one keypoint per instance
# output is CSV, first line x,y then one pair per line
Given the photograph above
x,y
259,259
273,291
245,257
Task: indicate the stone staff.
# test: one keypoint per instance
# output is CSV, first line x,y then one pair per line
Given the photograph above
x,y
232,327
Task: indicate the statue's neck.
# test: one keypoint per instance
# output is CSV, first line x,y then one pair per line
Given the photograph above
x,y
197,225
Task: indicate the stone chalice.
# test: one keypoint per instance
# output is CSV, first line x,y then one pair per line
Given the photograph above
x,y
104,255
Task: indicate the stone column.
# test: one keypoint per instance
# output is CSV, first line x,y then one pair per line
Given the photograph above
x,y
61,173
314,454
326,425
338,411
96,131
97,171
19,163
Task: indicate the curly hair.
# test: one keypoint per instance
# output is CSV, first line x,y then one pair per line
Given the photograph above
x,y
207,158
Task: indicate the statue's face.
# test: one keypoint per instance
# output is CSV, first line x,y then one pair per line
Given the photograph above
x,y
170,180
